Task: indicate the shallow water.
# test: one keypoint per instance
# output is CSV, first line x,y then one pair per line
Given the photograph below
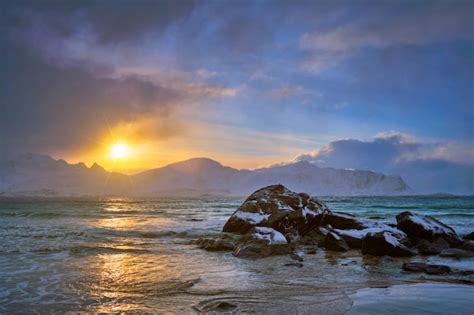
x,y
421,298
119,255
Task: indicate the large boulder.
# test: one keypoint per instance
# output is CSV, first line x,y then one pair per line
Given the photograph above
x,y
279,208
262,242
384,243
426,227
334,242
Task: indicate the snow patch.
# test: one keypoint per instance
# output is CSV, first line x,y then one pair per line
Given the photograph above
x,y
359,234
390,239
255,218
272,236
430,225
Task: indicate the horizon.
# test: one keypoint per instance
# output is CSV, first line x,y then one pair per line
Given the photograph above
x,y
344,87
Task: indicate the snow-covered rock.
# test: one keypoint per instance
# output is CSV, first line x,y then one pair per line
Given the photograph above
x,y
262,242
426,227
384,243
279,208
354,237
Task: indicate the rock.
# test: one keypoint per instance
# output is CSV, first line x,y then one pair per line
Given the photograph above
x,y
218,244
456,253
343,221
220,306
426,247
467,245
334,242
426,268
296,256
469,236
262,242
315,236
384,243
311,251
294,264
279,208
426,227
354,238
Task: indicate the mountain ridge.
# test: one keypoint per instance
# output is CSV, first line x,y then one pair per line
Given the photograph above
x,y
38,175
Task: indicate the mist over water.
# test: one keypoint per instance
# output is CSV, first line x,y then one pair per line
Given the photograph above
x,y
119,255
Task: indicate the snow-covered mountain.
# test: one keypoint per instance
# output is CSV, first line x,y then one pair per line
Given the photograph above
x,y
41,175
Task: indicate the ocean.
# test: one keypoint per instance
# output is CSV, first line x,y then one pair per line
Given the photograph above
x,y
135,255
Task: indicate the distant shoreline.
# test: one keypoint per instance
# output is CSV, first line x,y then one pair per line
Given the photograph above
x,y
112,198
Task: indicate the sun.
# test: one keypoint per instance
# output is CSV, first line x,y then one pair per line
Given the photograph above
x,y
119,150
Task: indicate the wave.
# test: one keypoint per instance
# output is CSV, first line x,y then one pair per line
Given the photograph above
x,y
454,215
106,249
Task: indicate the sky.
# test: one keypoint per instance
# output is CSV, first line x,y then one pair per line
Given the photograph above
x,y
349,84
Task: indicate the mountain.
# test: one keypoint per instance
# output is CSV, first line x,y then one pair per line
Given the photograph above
x,y
35,175
40,175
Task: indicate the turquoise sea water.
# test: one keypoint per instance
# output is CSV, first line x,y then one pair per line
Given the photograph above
x,y
116,255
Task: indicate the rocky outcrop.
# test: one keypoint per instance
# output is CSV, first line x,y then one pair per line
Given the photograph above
x,y
426,227
384,243
262,242
426,268
275,221
334,242
278,208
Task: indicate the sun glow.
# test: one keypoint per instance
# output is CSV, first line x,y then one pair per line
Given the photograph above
x,y
119,150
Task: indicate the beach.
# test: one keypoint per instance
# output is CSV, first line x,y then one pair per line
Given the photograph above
x,y
124,255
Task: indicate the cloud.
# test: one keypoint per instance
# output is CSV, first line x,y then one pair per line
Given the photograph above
x,y
286,91
426,167
383,150
206,74
55,101
422,24
102,18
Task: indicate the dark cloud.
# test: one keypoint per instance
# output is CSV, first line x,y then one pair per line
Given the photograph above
x,y
385,25
50,104
418,163
46,105
377,154
111,21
